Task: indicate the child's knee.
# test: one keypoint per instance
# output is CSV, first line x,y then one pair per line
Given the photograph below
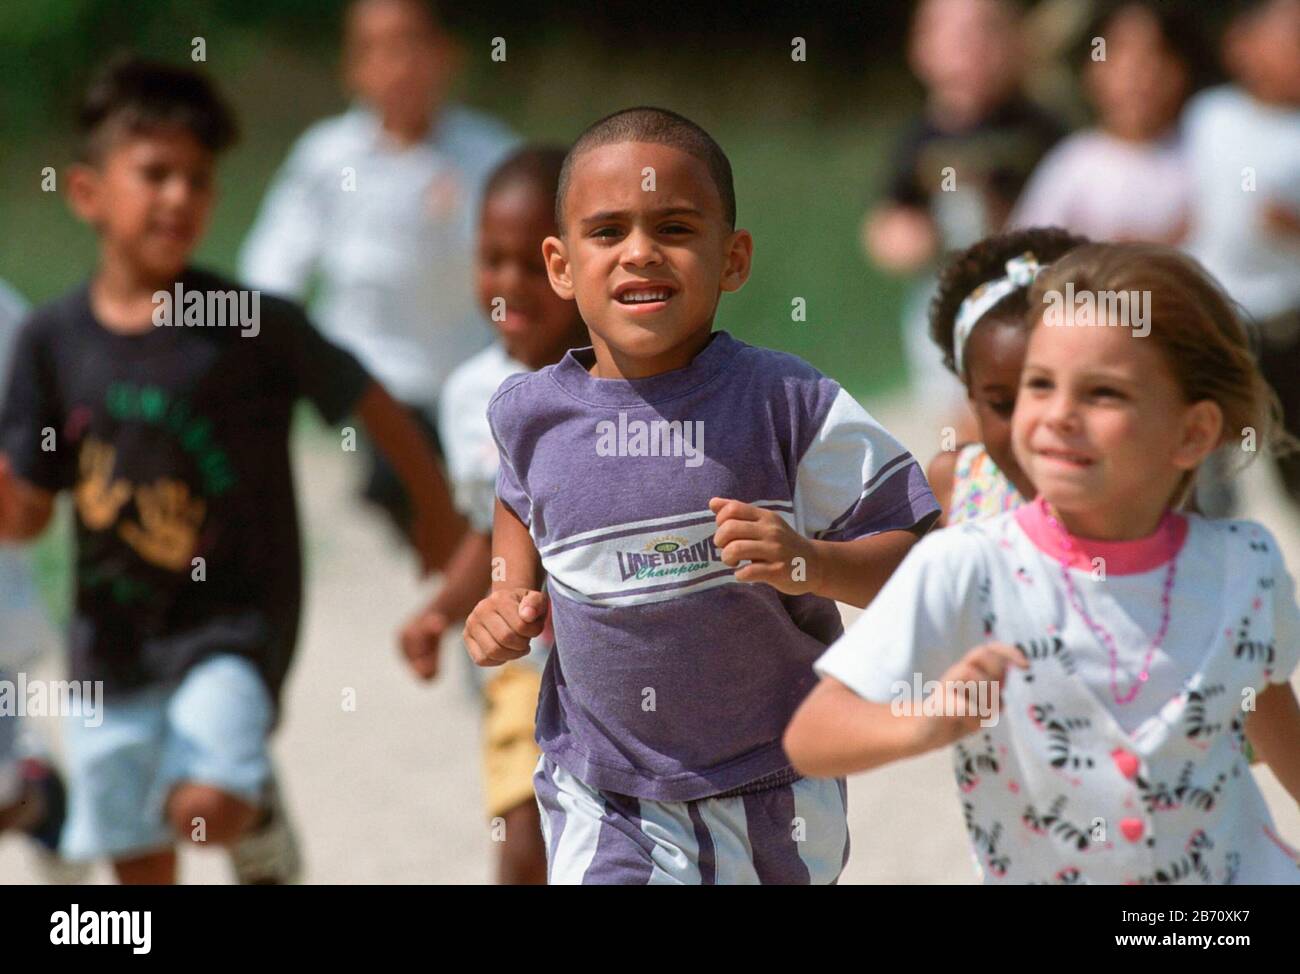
x,y
148,869
201,813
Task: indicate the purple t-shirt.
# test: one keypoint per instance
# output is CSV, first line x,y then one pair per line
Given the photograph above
x,y
671,680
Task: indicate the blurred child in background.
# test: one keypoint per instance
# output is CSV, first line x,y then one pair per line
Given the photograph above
x,y
959,168
32,795
1107,741
535,328
978,321
1127,177
173,442
1243,142
378,206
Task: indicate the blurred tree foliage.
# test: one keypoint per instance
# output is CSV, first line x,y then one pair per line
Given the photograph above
x,y
49,47
807,137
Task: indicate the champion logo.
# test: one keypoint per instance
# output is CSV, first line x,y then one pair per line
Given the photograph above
x,y
667,557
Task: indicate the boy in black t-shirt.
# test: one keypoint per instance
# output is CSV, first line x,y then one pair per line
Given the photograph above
x,y
161,397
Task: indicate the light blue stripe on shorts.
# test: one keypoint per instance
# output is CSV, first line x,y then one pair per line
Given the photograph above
x,y
794,834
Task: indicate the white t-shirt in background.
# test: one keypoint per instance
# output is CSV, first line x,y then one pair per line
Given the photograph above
x,y
472,459
389,231
471,451
1109,189
1233,143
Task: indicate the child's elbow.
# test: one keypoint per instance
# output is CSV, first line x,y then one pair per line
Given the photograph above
x,y
805,748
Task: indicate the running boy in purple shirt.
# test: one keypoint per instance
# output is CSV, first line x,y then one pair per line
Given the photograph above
x,y
695,505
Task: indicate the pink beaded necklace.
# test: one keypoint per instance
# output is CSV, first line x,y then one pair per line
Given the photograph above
x,y
1103,634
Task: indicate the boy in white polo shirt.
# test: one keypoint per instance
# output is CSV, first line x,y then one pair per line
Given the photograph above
x,y
379,205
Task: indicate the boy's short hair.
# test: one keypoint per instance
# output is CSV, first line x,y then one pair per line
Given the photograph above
x,y
135,95
659,126
537,166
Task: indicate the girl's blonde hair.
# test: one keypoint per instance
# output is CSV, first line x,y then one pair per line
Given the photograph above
x,y
1194,324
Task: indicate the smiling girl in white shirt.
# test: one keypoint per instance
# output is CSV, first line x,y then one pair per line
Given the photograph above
x,y
1126,650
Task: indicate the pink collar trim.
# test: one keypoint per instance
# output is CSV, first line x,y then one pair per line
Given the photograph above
x,y
1120,557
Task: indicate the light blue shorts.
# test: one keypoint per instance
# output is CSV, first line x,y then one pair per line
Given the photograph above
x,y
211,729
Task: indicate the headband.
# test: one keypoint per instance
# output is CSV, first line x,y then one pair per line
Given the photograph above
x,y
1021,272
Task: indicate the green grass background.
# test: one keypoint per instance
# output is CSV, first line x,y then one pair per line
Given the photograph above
x,y
807,158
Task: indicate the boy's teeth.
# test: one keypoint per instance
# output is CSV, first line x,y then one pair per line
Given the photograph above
x,y
637,297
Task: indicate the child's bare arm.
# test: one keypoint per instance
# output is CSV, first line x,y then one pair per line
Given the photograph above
x,y
855,571
467,577
438,527
519,564
1274,733
836,732
940,475
24,509
1283,221
847,571
901,239
465,580
501,625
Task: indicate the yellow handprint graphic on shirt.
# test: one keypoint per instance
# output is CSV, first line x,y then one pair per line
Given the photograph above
x,y
171,520
99,497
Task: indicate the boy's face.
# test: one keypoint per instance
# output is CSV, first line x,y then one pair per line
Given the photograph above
x,y
538,323
646,254
149,198
1263,52
967,53
397,60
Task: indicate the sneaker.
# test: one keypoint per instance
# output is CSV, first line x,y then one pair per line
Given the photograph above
x,y
47,793
268,855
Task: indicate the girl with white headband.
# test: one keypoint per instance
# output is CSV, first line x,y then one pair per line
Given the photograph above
x,y
1097,659
977,318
